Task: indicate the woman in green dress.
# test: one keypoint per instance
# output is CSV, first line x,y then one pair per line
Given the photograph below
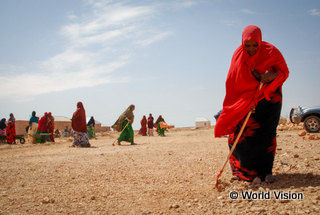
x,y
124,125
91,129
158,123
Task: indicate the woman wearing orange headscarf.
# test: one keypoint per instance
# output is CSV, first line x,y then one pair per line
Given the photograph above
x,y
143,122
254,154
79,126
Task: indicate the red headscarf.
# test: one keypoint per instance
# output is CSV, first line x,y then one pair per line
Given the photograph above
x,y
78,121
42,123
143,121
242,89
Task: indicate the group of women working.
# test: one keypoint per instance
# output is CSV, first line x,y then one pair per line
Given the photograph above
x,y
8,129
256,75
39,126
81,131
124,125
148,125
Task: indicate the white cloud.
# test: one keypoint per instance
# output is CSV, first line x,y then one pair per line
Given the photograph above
x,y
248,11
231,22
153,39
314,12
184,3
100,42
33,84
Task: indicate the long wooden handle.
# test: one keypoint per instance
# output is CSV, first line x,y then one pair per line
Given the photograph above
x,y
237,139
120,133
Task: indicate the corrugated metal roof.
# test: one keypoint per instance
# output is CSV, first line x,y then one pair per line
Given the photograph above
x,y
61,118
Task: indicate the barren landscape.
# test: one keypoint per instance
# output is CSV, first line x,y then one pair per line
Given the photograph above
x,y
174,174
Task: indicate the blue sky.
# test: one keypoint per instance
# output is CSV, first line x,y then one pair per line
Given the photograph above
x,y
166,57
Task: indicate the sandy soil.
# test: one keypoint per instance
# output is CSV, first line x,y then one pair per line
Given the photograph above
x,y
161,175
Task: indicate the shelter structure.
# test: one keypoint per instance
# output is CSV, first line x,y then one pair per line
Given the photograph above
x,y
202,122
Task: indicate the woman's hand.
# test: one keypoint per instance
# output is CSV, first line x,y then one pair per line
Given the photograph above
x,y
268,77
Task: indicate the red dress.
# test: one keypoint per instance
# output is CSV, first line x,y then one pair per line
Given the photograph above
x,y
11,133
143,130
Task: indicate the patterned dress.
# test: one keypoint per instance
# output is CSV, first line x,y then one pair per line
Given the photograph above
x,y
80,139
254,154
11,133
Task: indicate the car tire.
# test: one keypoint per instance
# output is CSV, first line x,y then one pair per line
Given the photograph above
x,y
312,124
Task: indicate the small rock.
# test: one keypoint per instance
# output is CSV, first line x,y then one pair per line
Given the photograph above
x,y
284,200
310,137
173,206
93,197
46,200
295,155
256,181
316,158
302,133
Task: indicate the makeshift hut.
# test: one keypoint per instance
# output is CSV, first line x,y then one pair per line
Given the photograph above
x,y
202,122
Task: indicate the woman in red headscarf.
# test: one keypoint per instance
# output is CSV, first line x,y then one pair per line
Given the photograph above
x,y
50,126
42,127
254,62
143,129
79,126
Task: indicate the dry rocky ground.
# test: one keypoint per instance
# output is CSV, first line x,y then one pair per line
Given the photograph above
x,y
174,174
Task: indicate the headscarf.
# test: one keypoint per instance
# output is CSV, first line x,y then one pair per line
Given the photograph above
x,y
42,127
50,119
160,119
33,118
127,114
143,121
3,123
91,121
78,121
12,119
242,89
150,121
